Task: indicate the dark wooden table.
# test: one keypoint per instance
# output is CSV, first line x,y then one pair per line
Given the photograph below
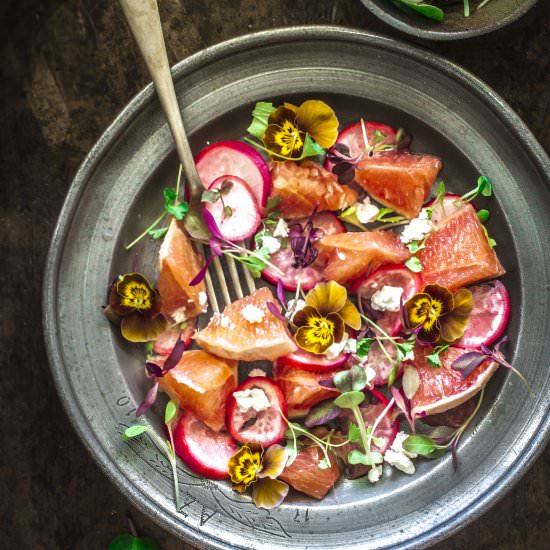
x,y
68,68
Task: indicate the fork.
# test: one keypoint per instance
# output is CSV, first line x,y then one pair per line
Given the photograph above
x,y
144,21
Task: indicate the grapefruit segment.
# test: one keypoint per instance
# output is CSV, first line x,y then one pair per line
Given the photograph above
x,y
165,343
457,253
202,383
203,450
442,388
305,476
178,265
353,254
247,330
401,181
302,186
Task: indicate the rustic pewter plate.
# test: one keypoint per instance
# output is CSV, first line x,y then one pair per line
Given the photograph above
x,y
117,192
495,15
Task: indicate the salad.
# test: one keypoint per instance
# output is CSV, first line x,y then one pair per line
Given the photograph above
x,y
374,324
435,9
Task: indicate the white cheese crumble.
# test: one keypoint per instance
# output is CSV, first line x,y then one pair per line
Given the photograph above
x,y
203,300
293,306
346,345
398,457
371,374
365,211
224,321
271,243
387,298
251,399
281,229
418,228
252,313
375,474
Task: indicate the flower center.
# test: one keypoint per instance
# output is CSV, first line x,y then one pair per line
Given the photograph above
x,y
321,330
289,139
136,295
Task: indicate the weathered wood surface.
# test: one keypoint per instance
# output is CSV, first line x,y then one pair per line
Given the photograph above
x,y
68,68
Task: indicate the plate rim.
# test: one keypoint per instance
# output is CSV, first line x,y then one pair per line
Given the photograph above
x,y
440,35
64,387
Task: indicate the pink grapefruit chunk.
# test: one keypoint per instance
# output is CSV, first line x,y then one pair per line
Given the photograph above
x,y
400,181
246,330
353,254
458,253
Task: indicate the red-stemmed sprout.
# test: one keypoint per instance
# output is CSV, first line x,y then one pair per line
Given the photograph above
x,y
156,372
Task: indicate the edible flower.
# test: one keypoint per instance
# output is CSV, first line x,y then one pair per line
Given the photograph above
x,y
135,305
436,314
291,132
322,321
254,467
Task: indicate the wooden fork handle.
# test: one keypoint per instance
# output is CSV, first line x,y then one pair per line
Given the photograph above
x,y
144,21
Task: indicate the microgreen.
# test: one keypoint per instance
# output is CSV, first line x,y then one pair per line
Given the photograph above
x,y
422,8
433,358
403,406
363,347
415,246
134,431
349,215
310,149
483,187
414,264
132,540
171,207
483,215
260,115
469,361
354,379
411,382
386,215
321,414
214,195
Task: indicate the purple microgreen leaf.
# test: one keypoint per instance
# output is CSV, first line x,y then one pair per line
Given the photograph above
x,y
316,234
153,370
211,224
275,310
202,273
175,355
403,407
216,247
468,362
322,414
281,292
149,400
341,148
454,454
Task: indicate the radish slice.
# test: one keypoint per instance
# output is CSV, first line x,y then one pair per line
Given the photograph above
x,y
392,275
352,136
205,451
489,316
312,274
244,217
451,203
301,359
379,363
238,159
261,427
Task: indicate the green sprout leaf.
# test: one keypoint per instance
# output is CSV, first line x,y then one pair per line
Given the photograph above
x,y
209,195
371,459
227,211
483,215
418,6
385,215
363,347
420,444
433,358
350,399
134,431
404,348
354,379
170,412
484,186
415,246
392,375
349,215
177,210
158,233
354,433
323,464
260,116
129,542
414,264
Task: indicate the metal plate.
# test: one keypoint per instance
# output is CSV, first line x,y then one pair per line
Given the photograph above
x,y
493,16
118,190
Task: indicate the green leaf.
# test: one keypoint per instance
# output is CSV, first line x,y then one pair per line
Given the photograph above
x,y
158,233
170,412
292,446
433,358
323,464
415,246
363,347
225,187
441,190
420,444
484,186
372,459
414,264
349,215
170,196
403,349
129,542
427,10
392,375
311,148
492,242
354,433
134,431
384,216
378,137
210,195
354,379
227,211
350,399
483,215
260,116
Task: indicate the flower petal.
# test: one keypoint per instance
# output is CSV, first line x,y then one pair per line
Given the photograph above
x,y
339,328
327,297
442,299
141,328
273,462
243,467
306,338
417,309
302,316
269,493
135,292
464,302
452,326
350,315
283,136
428,333
317,119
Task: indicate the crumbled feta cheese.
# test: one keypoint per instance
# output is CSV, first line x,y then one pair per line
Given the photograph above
x,y
224,321
365,211
375,474
256,372
397,445
371,374
400,461
203,299
351,345
252,313
418,228
387,298
346,345
271,243
251,399
281,229
293,306
409,356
